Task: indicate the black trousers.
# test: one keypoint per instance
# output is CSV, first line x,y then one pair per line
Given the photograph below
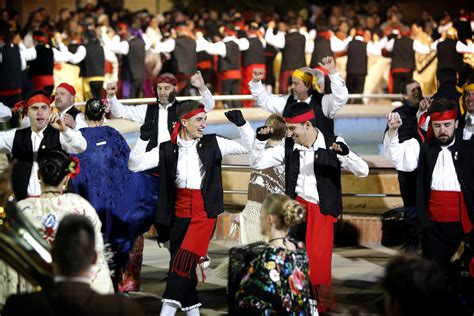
x,y
398,78
440,241
96,89
231,87
355,83
136,88
179,288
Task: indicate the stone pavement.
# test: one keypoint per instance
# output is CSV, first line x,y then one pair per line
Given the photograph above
x,y
356,271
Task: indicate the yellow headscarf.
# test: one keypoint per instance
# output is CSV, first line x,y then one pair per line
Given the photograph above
x,y
462,106
307,78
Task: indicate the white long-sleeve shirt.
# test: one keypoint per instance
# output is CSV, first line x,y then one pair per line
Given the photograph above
x,y
71,141
306,185
460,46
331,103
468,130
31,54
219,48
404,156
189,172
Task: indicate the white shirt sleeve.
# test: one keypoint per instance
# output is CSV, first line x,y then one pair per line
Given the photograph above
x,y
421,48
243,43
147,41
59,56
140,159
165,47
353,162
277,40
6,141
72,141
80,121
216,49
268,101
243,146
389,45
133,113
28,53
5,113
338,45
116,45
403,156
374,48
78,56
261,158
463,48
208,100
333,102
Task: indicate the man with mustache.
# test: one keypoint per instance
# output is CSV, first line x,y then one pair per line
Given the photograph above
x,y
47,131
445,181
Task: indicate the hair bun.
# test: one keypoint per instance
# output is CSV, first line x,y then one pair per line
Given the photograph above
x,y
294,213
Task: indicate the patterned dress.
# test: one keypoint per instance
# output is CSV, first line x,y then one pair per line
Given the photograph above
x,y
45,213
276,283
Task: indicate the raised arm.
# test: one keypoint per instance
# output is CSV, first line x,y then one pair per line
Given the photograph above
x,y
133,113
140,159
198,82
268,101
333,102
244,145
404,156
261,157
349,160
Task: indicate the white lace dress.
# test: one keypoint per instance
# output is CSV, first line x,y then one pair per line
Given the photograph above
x,y
45,213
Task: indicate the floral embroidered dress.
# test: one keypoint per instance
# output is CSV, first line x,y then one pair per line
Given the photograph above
x,y
276,283
45,213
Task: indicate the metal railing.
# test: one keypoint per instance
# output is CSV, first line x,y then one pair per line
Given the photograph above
x,y
248,169
248,97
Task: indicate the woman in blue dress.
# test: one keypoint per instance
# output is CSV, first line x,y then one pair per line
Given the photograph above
x,y
125,201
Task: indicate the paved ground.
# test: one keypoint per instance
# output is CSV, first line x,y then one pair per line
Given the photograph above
x,y
356,271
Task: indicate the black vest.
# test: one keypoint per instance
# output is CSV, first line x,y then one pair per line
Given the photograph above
x,y
185,55
293,55
322,48
463,154
327,170
73,112
448,57
93,64
11,65
133,64
409,129
403,55
152,115
357,58
232,57
323,123
44,62
211,187
22,151
255,54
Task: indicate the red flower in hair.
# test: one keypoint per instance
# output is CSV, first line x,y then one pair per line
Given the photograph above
x,y
74,167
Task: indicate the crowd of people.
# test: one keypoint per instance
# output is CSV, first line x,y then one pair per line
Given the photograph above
x,y
68,162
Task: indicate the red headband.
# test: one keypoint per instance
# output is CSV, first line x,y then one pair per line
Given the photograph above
x,y
23,106
166,79
42,39
68,87
435,117
308,116
177,126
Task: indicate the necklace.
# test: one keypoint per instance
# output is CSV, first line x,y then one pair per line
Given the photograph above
x,y
278,238
52,192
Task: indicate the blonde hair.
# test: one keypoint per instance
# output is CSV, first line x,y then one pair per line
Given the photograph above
x,y
276,122
288,211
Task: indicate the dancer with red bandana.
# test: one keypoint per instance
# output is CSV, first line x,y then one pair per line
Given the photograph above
x,y
445,178
313,162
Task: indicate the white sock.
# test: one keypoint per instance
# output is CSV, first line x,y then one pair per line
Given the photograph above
x,y
168,309
193,312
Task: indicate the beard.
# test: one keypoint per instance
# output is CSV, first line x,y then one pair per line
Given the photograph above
x,y
445,141
170,99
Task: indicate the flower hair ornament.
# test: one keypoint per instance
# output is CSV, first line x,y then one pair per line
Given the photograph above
x,y
73,167
105,107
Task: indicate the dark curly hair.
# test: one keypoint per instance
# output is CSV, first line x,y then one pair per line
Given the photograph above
x,y
53,167
95,109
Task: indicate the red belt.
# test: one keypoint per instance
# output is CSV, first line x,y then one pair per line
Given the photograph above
x,y
390,77
449,206
205,64
40,82
230,74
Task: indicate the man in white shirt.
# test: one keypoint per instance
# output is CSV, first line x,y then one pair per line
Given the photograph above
x,y
306,88
445,179
191,196
47,131
313,162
